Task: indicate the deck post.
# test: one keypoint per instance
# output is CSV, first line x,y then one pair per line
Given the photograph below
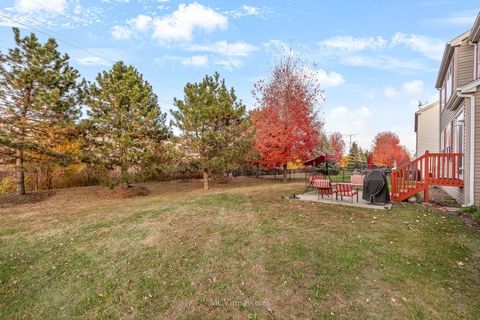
x,y
427,176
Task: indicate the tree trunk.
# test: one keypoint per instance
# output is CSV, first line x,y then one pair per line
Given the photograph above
x,y
205,179
285,172
20,173
36,185
124,177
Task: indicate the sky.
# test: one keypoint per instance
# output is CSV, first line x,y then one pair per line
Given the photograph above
x,y
375,60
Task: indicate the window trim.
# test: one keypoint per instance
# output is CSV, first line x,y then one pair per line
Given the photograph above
x,y
478,61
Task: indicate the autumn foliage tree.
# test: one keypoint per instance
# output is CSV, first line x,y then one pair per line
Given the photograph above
x,y
286,124
387,150
338,146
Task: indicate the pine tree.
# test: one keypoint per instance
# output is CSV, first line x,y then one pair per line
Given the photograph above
x,y
125,124
39,94
356,157
216,129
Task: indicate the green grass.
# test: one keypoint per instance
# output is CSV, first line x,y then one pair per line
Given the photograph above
x,y
239,251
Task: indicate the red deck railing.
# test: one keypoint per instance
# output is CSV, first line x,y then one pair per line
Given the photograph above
x,y
441,169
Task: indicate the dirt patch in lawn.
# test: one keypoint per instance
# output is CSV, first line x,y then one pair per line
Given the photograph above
x,y
29,198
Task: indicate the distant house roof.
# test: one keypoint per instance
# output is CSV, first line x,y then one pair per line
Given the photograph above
x,y
430,106
422,110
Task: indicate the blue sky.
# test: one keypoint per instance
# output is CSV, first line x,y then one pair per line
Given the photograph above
x,y
374,59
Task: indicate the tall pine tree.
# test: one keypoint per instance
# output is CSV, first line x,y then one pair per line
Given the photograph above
x,y
39,93
216,129
125,124
356,157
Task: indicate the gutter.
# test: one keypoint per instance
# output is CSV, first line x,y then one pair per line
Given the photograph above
x,y
471,197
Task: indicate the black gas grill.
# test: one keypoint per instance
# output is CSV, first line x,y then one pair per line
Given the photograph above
x,y
375,187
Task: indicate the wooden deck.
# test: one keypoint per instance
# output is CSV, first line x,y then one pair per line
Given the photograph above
x,y
431,169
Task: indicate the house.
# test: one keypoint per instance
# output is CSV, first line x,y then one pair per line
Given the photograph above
x,y
456,166
458,83
427,129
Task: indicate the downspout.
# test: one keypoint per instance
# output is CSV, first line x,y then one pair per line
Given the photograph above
x,y
471,173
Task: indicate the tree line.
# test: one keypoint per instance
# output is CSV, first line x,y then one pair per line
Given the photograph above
x,y
53,122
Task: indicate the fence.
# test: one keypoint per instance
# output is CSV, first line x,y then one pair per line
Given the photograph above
x,y
343,174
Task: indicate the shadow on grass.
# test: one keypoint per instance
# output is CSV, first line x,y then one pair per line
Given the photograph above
x,y
29,198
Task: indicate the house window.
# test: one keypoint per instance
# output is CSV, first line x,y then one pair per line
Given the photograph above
x,y
448,138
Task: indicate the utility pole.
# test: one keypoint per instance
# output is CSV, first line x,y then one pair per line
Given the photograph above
x,y
350,136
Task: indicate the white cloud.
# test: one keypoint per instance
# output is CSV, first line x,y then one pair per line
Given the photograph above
x,y
383,62
413,88
178,26
235,49
104,57
229,64
121,32
182,23
391,93
358,120
195,61
409,89
378,52
50,14
250,10
430,47
331,79
277,46
93,61
52,6
141,22
246,11
349,43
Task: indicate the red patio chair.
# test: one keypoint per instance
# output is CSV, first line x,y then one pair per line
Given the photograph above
x,y
346,190
324,187
357,180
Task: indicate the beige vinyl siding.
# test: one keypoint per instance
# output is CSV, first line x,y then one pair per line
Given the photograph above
x,y
428,129
445,119
465,60
458,193
477,148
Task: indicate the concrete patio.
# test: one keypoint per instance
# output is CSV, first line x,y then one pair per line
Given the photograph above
x,y
313,196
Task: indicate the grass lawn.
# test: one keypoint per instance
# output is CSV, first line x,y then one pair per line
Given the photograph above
x,y
238,251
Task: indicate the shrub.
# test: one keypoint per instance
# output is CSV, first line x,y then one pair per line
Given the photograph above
x,y
473,210
7,186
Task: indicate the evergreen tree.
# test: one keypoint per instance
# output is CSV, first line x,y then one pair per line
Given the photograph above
x,y
216,129
39,93
125,124
355,157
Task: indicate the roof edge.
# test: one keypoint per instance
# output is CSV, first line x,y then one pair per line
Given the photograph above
x,y
447,53
475,32
428,107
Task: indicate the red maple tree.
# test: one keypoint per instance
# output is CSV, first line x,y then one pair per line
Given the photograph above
x,y
286,125
338,146
387,150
